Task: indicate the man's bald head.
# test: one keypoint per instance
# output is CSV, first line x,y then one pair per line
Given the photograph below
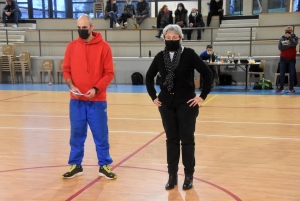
x,y
85,19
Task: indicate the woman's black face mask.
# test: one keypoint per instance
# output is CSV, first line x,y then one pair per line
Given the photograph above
x,y
172,45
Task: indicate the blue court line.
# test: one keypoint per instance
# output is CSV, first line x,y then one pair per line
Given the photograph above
x,y
127,88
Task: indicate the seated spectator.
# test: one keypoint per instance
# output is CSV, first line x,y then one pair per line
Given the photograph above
x,y
11,11
142,12
164,18
215,8
195,20
128,12
208,54
111,11
181,17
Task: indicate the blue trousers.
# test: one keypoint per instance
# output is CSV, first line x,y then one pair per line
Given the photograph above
x,y
113,18
290,65
16,17
94,114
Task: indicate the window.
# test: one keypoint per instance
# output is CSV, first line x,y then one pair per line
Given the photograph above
x,y
40,8
276,6
59,9
256,7
23,5
83,7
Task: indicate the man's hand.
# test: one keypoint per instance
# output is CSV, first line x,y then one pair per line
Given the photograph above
x,y
287,35
220,10
90,94
75,89
8,13
139,16
191,24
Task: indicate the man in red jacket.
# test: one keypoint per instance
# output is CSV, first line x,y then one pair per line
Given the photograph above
x,y
287,46
88,70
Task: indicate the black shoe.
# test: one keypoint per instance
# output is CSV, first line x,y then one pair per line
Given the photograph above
x,y
198,38
104,171
279,90
173,179
73,172
188,183
157,36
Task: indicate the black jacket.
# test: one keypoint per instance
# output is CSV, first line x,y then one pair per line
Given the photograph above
x,y
12,8
215,6
184,87
161,14
142,8
129,10
197,20
110,7
181,16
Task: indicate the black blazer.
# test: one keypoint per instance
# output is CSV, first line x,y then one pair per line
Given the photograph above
x,y
158,20
184,87
110,7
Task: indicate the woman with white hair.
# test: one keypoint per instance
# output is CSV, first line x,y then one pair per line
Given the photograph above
x,y
177,101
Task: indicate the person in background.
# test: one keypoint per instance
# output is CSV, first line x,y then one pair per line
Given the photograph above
x,y
177,101
128,12
142,12
287,46
111,11
215,8
88,70
164,18
195,20
208,55
181,17
11,11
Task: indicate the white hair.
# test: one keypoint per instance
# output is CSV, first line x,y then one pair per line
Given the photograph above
x,y
173,28
87,16
289,27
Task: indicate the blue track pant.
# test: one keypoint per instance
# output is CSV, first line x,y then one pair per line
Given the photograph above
x,y
94,114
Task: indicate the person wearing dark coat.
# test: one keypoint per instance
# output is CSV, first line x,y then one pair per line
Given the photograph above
x,y
111,11
195,20
215,8
128,12
11,11
164,18
181,17
142,12
177,101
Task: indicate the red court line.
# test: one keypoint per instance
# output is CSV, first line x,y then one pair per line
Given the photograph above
x,y
114,167
19,96
195,178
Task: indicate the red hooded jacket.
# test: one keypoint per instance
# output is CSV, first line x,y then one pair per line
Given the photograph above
x,y
89,65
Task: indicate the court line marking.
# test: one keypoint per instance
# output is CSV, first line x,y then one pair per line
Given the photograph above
x,y
19,96
207,101
124,166
152,133
114,167
249,137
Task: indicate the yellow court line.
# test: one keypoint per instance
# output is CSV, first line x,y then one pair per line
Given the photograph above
x,y
209,100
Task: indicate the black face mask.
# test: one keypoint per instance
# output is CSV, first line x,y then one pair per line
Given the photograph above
x,y
288,32
83,33
172,45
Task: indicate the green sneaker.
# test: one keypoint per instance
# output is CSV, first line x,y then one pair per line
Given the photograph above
x,y
104,171
73,172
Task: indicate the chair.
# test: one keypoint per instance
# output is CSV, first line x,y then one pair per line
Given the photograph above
x,y
7,57
261,74
60,69
115,79
23,65
46,66
98,8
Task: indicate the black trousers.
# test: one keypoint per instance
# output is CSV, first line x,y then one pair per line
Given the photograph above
x,y
179,124
211,13
189,33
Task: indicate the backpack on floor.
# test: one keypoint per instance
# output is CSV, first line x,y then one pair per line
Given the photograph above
x,y
137,78
258,85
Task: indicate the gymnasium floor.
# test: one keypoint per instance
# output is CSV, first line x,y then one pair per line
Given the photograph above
x,y
247,147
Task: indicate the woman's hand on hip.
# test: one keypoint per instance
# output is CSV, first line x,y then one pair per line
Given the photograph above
x,y
193,102
157,102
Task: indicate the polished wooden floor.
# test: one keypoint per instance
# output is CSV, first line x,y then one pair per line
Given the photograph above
x,y
247,148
